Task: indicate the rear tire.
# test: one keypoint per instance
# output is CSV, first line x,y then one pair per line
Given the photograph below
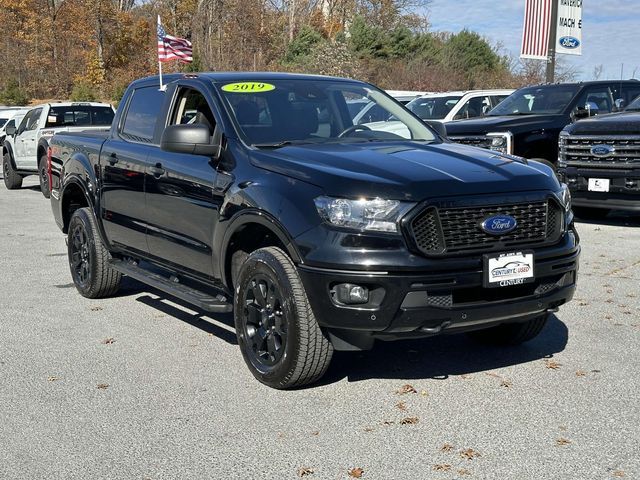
x,y
43,170
511,333
88,259
12,180
588,213
280,339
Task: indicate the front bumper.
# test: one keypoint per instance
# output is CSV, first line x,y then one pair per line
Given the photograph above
x,y
624,187
418,304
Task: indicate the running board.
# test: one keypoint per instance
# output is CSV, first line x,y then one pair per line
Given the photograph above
x,y
202,300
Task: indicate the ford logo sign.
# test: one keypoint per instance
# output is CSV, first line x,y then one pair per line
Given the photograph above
x,y
569,42
499,225
602,151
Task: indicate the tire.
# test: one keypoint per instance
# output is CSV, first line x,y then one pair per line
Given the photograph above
x,y
292,350
12,180
588,213
43,171
511,333
88,259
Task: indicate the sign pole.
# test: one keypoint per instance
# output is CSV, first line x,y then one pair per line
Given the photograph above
x,y
160,71
553,31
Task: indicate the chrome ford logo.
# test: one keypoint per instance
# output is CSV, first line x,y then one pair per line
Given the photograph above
x,y
499,225
602,151
569,42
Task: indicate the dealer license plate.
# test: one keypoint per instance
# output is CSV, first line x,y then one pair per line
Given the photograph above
x,y
598,185
507,269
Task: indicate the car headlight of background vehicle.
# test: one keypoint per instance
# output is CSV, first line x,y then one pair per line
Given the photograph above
x,y
501,142
565,197
562,149
364,214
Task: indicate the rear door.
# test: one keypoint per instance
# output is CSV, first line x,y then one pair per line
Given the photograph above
x,y
123,162
182,204
26,142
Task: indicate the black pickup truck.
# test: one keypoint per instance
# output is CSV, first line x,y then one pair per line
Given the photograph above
x,y
528,122
255,193
599,159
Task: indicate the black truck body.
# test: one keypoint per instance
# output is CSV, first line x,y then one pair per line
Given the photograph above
x,y
206,221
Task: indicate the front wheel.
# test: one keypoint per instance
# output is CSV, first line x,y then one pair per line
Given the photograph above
x,y
12,180
43,170
280,339
88,259
511,333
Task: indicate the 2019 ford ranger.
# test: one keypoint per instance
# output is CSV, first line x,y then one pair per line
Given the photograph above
x,y
319,234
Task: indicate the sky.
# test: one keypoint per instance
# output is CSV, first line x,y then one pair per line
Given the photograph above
x,y
610,36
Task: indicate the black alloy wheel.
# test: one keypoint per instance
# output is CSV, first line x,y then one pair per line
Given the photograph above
x,y
44,177
80,255
264,322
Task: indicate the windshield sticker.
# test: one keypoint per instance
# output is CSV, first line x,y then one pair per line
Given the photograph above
x,y
248,87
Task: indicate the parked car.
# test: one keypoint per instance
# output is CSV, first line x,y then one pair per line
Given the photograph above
x,y
599,158
10,117
318,233
449,106
25,148
529,121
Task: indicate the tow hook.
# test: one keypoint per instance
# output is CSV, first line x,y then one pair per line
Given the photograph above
x,y
435,330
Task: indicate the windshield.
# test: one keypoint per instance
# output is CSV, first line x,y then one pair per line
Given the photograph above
x,y
634,106
79,116
299,111
548,99
433,108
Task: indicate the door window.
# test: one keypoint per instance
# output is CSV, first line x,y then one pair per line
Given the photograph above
x,y
192,108
32,121
597,100
142,114
497,99
474,107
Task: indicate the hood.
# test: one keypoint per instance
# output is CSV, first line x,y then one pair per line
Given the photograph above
x,y
513,123
612,124
407,171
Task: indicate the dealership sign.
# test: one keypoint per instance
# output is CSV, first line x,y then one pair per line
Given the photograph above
x,y
569,31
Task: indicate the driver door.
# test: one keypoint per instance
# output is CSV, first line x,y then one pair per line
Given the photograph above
x,y
26,142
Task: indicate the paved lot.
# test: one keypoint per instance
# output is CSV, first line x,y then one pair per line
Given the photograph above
x,y
171,397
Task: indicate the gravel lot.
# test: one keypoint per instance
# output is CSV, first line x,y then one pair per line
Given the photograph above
x,y
140,386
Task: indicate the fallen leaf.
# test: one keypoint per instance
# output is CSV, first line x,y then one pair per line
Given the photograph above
x,y
562,441
581,373
596,371
409,421
109,341
52,378
463,471
356,472
552,364
368,429
103,386
618,473
388,422
402,406
506,383
424,393
465,376
96,308
631,295
627,312
583,304
609,300
608,317
469,454
446,448
315,433
406,389
304,471
491,374
442,467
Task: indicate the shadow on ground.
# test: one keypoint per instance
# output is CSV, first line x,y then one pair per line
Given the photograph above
x,y
616,218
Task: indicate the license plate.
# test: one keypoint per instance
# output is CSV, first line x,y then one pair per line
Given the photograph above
x,y
599,184
508,269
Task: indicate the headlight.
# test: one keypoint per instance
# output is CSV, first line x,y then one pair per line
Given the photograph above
x,y
562,149
565,197
373,215
501,142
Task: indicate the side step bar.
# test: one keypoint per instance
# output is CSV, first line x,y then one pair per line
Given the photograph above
x,y
202,300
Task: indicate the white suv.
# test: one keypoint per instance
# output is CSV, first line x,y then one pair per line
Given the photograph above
x,y
25,147
449,106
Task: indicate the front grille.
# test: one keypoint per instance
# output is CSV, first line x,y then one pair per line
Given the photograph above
x,y
576,150
451,230
481,141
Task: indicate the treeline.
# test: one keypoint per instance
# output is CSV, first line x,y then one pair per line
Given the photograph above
x,y
91,49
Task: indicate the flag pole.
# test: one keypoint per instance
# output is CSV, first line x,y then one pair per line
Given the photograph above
x,y
159,62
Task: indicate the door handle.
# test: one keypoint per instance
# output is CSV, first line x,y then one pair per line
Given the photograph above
x,y
157,170
113,159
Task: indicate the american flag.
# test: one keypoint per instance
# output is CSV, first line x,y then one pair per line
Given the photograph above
x,y
537,24
173,48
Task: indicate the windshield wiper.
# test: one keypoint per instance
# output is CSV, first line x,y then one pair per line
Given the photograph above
x,y
283,143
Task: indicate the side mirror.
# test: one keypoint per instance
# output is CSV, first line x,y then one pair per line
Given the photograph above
x,y
580,113
193,139
620,104
439,128
11,130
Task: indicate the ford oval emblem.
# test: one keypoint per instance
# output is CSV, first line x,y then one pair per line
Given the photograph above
x,y
499,225
602,151
569,42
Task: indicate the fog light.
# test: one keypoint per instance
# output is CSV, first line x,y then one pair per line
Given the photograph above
x,y
350,294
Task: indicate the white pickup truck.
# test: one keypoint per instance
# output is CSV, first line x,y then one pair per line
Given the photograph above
x,y
25,148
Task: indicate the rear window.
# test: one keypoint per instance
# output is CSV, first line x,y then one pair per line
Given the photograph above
x,y
142,114
79,116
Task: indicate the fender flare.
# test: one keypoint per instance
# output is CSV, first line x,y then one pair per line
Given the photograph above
x,y
43,145
264,219
6,148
